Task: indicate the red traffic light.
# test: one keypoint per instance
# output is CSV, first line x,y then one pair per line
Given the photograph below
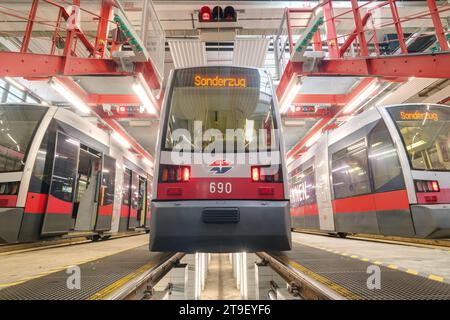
x,y
217,14
205,14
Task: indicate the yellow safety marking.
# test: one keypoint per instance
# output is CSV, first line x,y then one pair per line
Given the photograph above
x,y
392,266
121,282
325,281
61,268
3,285
435,278
412,271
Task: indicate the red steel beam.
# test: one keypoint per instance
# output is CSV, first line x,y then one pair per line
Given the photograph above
x,y
334,99
398,26
353,35
103,27
320,124
29,28
31,65
440,33
359,29
16,64
435,65
330,27
104,116
324,123
120,99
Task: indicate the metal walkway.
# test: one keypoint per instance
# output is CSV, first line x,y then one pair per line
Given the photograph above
x,y
348,276
98,278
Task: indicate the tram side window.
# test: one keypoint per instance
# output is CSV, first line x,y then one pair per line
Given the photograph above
x,y
350,171
384,161
109,177
64,167
126,187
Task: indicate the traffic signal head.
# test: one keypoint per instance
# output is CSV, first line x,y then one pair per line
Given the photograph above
x,y
204,14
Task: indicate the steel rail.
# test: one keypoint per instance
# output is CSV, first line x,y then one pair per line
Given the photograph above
x,y
307,287
139,287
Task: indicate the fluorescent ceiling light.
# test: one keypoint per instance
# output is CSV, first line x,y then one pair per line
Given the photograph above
x,y
15,83
120,140
70,96
144,97
148,162
313,139
384,98
290,96
352,105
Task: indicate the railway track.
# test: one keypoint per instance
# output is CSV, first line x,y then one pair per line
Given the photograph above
x,y
425,243
7,249
139,285
300,282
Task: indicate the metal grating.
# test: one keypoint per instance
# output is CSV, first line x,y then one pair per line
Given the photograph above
x,y
95,276
221,215
352,275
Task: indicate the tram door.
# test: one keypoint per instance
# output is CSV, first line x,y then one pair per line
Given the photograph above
x,y
106,194
59,208
323,189
142,202
132,221
87,187
149,199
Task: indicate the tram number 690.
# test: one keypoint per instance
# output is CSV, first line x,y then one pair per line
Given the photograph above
x,y
220,187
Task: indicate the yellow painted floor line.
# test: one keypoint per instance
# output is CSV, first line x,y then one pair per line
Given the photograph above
x,y
435,278
121,282
390,266
61,268
412,271
325,281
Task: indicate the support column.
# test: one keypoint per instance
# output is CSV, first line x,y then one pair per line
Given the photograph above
x,y
398,26
359,29
103,29
330,27
29,28
440,33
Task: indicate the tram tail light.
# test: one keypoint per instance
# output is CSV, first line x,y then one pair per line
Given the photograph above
x,y
427,186
266,174
255,174
185,173
174,173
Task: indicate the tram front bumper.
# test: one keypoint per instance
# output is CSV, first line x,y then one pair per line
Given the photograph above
x,y
188,226
431,221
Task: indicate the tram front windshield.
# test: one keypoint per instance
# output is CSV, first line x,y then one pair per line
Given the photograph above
x,y
425,130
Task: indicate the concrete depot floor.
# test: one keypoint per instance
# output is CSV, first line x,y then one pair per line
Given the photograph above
x,y
424,260
22,266
220,284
